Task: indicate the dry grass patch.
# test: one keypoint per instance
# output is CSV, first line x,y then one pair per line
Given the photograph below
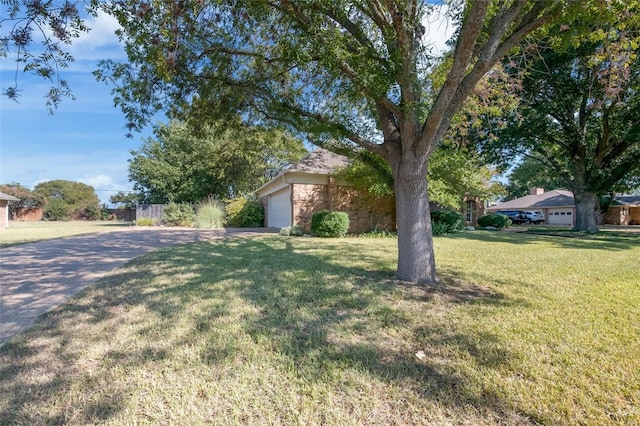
x,y
29,232
273,330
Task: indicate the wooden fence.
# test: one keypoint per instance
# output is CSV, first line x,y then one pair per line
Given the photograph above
x,y
153,211
125,214
25,215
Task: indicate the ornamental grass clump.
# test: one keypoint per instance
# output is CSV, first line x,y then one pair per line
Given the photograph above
x,y
209,215
329,224
145,221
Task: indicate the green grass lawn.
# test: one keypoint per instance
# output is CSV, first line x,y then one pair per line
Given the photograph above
x,y
522,329
28,232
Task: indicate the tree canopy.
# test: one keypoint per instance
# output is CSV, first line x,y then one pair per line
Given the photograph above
x,y
353,71
54,24
578,116
530,174
220,161
454,173
356,71
64,199
126,199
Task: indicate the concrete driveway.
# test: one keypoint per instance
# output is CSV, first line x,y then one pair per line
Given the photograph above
x,y
38,277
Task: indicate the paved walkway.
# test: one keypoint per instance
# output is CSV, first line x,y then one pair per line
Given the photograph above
x,y
38,277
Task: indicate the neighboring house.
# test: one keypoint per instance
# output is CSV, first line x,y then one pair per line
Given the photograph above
x,y
625,210
472,209
558,205
310,186
4,209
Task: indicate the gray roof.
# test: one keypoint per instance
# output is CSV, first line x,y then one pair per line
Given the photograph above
x,y
627,200
8,197
551,199
320,161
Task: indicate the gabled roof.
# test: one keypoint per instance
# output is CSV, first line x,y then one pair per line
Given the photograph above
x,y
627,200
8,197
551,199
320,161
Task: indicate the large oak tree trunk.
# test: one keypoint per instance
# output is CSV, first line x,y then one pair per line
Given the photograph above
x,y
586,203
416,261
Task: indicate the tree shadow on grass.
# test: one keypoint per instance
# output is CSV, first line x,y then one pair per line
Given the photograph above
x,y
602,241
316,301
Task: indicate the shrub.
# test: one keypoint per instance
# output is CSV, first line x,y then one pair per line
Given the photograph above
x,y
175,214
243,212
210,215
446,222
90,212
145,221
105,213
329,224
496,220
56,209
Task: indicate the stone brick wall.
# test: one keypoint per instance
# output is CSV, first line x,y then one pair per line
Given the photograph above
x,y
614,216
634,216
365,212
622,215
308,199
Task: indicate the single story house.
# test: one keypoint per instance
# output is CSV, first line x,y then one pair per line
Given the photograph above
x,y
625,210
558,205
472,209
310,186
4,209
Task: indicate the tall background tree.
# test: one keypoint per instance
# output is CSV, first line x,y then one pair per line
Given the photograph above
x,y
529,174
353,71
66,199
578,117
128,199
219,161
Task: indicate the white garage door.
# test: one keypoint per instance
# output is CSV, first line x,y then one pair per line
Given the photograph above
x,y
279,209
560,217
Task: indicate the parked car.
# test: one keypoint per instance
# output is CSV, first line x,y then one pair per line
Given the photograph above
x,y
533,216
516,216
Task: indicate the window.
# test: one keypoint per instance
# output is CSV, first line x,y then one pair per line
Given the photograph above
x,y
568,213
470,207
562,213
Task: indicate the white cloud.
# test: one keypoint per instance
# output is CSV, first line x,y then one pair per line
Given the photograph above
x,y
100,42
100,39
99,181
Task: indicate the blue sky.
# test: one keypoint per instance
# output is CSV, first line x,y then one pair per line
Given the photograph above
x,y
84,140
